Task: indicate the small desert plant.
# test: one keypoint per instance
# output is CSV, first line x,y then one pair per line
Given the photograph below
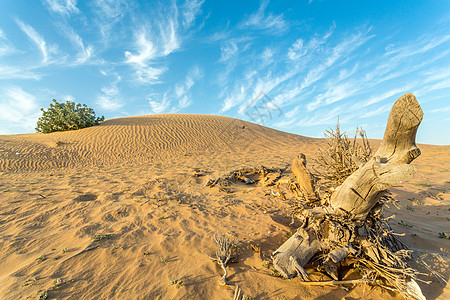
x,y
41,258
342,156
99,237
66,116
226,252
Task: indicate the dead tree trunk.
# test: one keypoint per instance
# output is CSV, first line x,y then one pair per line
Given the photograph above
x,y
334,230
360,191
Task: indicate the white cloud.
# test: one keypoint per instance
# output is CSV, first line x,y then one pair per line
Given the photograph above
x,y
18,110
300,78
158,106
321,118
181,94
435,80
389,94
238,96
406,59
298,49
193,75
5,47
149,75
190,11
84,52
381,110
154,42
63,7
266,21
17,72
183,102
146,54
110,98
441,110
37,39
346,73
109,13
182,89
333,94
345,47
227,51
169,37
146,50
159,36
267,56
425,44
112,10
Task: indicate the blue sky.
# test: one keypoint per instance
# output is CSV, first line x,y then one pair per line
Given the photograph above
x,y
291,65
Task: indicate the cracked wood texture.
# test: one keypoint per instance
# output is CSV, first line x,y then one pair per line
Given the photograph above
x,y
305,179
390,164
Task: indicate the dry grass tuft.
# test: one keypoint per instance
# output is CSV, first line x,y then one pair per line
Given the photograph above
x,y
342,155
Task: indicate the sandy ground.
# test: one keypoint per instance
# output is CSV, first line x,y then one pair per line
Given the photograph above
x,y
136,185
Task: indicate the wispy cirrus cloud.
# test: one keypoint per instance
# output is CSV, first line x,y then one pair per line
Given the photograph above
x,y
386,95
38,40
159,38
332,95
17,72
321,118
110,98
181,93
261,20
159,104
145,54
228,50
146,50
313,70
18,109
267,57
441,110
62,7
112,10
5,46
144,59
193,75
425,44
358,80
299,49
320,59
108,14
84,52
380,110
190,10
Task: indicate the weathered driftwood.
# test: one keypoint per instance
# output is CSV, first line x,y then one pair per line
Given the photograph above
x,y
332,229
361,190
290,258
399,141
305,180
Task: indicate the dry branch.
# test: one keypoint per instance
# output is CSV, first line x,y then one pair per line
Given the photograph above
x,y
225,253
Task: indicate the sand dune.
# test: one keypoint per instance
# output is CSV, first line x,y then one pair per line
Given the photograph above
x,y
135,184
141,139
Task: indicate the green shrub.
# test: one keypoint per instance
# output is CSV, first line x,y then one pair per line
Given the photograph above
x,y
66,116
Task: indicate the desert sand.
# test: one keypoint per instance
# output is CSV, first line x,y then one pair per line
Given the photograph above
x,y
136,185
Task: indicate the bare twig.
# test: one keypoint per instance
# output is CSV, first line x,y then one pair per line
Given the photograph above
x,y
225,253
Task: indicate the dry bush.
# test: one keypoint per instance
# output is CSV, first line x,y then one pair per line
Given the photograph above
x,y
342,155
